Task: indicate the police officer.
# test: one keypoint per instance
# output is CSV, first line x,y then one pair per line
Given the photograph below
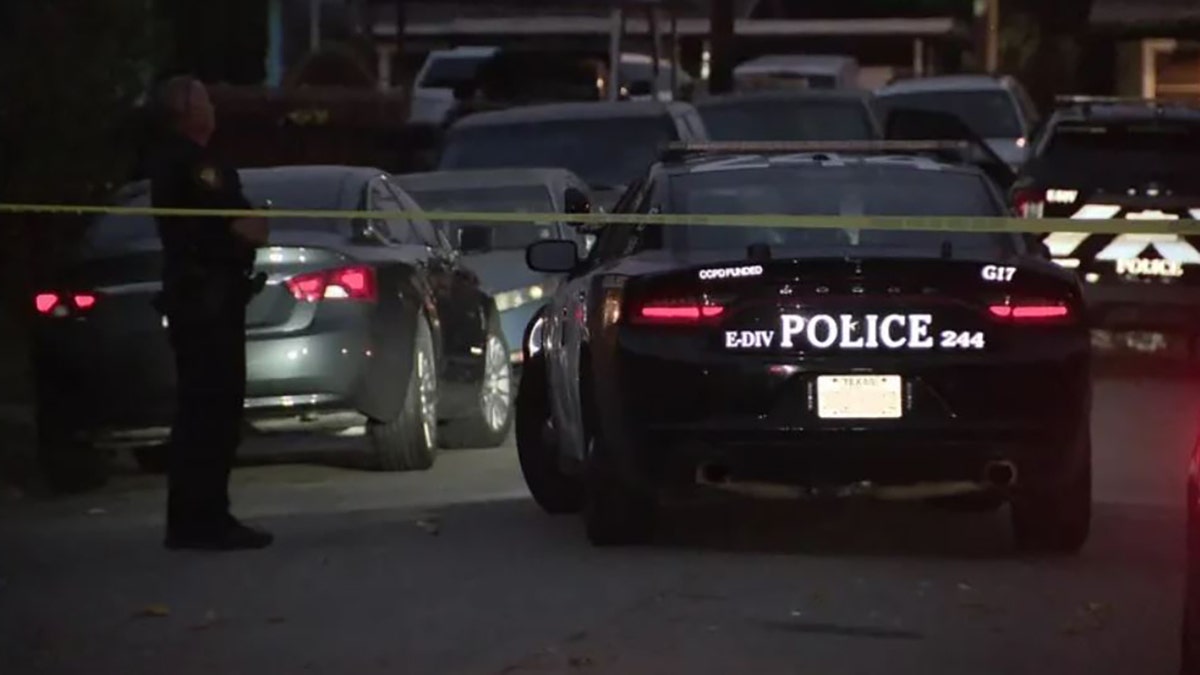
x,y
206,285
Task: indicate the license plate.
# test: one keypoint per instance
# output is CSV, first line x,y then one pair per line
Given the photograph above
x,y
859,397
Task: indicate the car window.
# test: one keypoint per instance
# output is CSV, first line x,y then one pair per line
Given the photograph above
x,y
604,152
398,229
852,189
1124,147
284,192
425,231
450,71
989,114
515,199
783,120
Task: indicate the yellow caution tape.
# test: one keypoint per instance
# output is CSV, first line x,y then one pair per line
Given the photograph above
x,y
926,223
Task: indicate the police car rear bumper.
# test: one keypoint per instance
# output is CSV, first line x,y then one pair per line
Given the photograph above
x,y
827,459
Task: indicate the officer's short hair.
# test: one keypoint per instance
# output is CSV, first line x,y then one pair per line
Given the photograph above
x,y
174,98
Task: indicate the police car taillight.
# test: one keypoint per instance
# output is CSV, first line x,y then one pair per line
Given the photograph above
x,y
348,283
1031,311
51,303
677,311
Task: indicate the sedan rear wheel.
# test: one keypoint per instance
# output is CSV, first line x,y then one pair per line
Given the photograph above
x,y
490,418
409,442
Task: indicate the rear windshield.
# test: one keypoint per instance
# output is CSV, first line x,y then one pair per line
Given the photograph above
x,y
519,199
604,152
989,114
448,72
308,193
1124,146
782,120
835,191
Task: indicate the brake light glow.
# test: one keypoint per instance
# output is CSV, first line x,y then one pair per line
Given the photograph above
x,y
45,302
684,311
61,304
347,283
1030,311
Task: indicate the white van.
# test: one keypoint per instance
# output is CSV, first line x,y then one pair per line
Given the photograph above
x,y
796,71
443,70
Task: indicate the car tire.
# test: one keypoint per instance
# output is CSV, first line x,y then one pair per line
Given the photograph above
x,y
556,492
409,441
1056,519
152,460
490,418
614,512
69,466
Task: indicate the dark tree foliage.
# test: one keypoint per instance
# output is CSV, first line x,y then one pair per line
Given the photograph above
x,y
70,71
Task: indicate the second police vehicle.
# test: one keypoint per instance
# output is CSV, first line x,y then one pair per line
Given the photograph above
x,y
1130,160
710,356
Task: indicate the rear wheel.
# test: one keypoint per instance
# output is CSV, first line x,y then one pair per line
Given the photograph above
x,y
615,513
67,464
553,490
152,459
490,418
409,441
1057,518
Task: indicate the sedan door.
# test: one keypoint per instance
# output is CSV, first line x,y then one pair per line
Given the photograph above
x,y
461,309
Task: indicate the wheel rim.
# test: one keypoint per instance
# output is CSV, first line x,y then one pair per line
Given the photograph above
x,y
427,396
496,392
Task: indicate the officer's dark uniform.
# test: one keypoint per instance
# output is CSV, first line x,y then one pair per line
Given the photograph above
x,y
205,290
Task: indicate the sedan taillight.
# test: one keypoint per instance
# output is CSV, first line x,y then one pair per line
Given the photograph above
x,y
344,283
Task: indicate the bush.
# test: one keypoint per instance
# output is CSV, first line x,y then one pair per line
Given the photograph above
x,y
71,70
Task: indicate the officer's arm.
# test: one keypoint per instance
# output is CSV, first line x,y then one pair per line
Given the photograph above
x,y
251,230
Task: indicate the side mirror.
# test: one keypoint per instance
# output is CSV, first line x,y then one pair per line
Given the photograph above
x,y
474,238
554,256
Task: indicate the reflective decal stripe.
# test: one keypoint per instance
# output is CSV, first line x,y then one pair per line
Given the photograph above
x,y
1169,247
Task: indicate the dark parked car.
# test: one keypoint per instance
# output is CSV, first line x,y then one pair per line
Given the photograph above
x,y
751,359
496,252
608,144
792,115
371,322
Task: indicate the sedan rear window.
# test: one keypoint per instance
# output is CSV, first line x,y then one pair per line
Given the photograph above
x,y
604,152
1124,146
852,190
989,114
783,120
284,193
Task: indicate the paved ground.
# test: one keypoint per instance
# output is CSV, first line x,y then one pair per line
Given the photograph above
x,y
456,571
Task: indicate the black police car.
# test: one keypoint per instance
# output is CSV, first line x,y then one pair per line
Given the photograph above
x,y
1103,158
731,356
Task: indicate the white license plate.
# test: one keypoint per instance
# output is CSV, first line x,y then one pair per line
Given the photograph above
x,y
859,397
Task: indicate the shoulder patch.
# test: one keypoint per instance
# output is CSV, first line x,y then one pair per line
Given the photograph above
x,y
209,176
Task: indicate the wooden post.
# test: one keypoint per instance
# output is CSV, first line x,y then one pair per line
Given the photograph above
x,y
993,36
